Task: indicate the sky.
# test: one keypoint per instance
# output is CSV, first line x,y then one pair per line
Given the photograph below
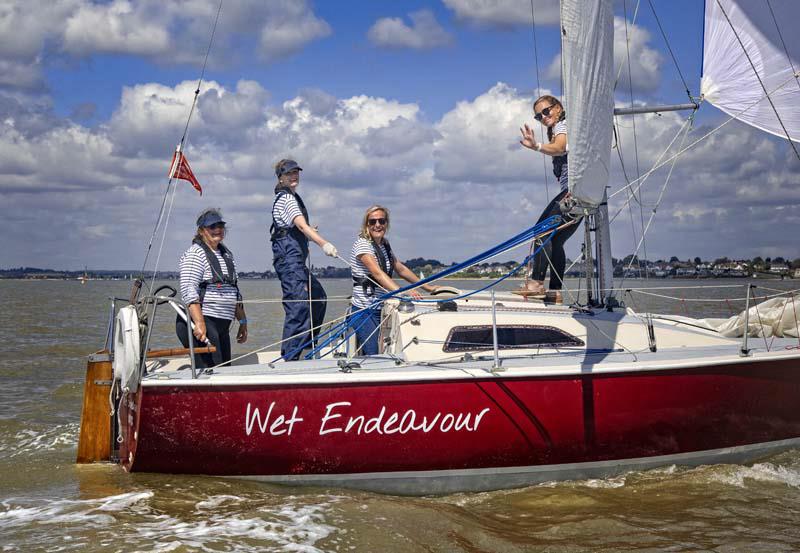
x,y
413,105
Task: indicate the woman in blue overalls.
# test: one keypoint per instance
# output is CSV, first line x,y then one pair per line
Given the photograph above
x,y
290,233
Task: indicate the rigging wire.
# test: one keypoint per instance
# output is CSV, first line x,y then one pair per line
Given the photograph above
x,y
763,87
687,127
709,133
669,48
646,176
182,141
538,94
635,140
785,49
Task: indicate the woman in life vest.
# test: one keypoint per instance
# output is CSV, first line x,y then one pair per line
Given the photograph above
x,y
289,234
210,289
550,112
372,264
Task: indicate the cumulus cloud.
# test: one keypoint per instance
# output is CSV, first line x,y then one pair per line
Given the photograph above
x,y
504,12
113,28
424,32
164,32
288,33
479,139
463,173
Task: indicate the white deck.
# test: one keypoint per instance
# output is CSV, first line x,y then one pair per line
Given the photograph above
x,y
614,342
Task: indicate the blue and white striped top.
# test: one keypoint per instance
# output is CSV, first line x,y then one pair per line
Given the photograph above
x,y
358,270
219,301
285,210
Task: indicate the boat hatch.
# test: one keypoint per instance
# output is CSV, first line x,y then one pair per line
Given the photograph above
x,y
479,337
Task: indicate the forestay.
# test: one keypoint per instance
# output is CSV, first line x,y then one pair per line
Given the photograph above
x,y
768,37
588,54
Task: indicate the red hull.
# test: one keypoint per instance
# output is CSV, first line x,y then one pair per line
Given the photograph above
x,y
491,423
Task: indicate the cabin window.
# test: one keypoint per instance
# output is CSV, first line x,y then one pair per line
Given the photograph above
x,y
479,337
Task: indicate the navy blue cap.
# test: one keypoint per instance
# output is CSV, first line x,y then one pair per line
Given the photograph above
x,y
286,167
209,217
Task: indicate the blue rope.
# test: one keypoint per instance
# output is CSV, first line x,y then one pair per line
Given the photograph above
x,y
550,225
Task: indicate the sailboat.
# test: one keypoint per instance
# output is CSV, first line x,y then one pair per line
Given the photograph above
x,y
482,390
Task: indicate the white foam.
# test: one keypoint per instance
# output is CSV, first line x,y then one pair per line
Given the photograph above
x,y
290,528
761,472
297,524
61,436
216,500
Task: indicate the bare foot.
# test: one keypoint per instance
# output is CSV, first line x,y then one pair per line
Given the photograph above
x,y
535,287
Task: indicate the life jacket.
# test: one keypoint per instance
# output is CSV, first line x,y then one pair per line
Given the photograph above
x,y
276,232
217,276
559,161
387,264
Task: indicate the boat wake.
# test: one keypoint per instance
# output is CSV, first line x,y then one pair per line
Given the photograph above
x,y
138,517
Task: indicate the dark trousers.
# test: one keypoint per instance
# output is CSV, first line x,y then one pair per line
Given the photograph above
x,y
366,323
218,333
290,265
554,249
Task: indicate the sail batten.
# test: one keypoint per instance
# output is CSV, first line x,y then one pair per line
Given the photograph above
x,y
588,47
749,65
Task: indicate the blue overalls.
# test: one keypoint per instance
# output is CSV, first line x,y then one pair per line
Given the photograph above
x,y
289,254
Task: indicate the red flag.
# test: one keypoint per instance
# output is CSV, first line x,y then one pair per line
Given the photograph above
x,y
179,169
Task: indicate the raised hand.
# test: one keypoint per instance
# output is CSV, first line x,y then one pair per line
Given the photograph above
x,y
528,138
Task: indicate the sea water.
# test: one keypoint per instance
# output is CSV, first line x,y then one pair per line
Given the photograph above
x,y
48,503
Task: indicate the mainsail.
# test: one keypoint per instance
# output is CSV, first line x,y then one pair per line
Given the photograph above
x,y
747,41
588,58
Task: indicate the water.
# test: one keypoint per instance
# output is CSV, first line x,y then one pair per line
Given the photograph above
x,y
47,503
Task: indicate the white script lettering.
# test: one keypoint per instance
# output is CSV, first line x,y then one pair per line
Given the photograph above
x,y
281,425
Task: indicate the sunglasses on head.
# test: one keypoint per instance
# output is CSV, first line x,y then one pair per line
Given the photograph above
x,y
216,226
544,113
378,221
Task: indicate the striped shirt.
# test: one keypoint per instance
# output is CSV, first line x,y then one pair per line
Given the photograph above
x,y
219,301
561,128
359,270
285,210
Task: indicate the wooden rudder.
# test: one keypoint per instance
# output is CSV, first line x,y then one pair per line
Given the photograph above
x,y
94,442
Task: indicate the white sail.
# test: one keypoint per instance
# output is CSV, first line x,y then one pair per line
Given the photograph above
x,y
766,29
588,54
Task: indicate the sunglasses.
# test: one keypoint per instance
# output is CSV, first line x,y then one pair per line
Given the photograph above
x,y
216,226
373,222
544,113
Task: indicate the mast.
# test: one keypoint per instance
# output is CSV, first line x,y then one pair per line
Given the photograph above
x,y
587,34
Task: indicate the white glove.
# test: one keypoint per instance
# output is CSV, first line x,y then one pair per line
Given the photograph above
x,y
330,249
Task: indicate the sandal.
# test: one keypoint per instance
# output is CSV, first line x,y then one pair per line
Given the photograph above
x,y
554,296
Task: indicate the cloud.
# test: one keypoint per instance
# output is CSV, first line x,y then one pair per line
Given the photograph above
x,y
284,35
163,32
645,61
504,13
423,34
113,28
480,138
456,185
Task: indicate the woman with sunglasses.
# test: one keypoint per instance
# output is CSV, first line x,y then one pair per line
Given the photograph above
x,y
209,287
290,233
550,112
372,264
